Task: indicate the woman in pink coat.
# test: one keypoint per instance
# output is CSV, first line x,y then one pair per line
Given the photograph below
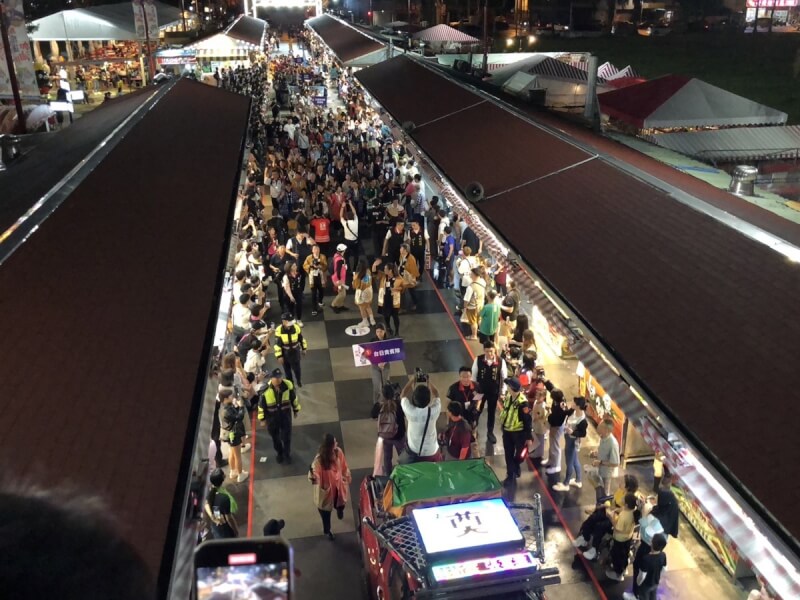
x,y
331,477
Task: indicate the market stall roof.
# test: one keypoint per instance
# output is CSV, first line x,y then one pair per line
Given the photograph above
x,y
346,42
60,151
740,143
114,405
249,30
545,65
444,33
98,23
675,101
695,310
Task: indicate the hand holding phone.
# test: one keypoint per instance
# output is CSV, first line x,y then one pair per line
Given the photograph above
x,y
257,567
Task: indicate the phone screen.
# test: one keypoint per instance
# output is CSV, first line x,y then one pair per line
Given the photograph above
x,y
258,569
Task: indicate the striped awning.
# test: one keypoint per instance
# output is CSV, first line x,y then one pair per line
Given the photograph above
x,y
607,70
444,33
738,529
556,69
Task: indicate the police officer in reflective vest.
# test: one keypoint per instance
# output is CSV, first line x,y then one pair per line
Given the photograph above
x,y
290,346
275,408
516,423
489,371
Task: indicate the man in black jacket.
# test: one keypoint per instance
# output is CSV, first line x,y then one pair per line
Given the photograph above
x,y
489,371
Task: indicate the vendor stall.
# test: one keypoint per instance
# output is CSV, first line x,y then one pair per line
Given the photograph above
x,y
238,45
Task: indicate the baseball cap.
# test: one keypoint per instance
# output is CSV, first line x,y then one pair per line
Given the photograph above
x,y
276,373
341,248
513,383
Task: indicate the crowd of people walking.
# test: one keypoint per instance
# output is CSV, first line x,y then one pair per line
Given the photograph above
x,y
334,206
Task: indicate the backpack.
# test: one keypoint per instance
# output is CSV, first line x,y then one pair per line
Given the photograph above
x,y
387,424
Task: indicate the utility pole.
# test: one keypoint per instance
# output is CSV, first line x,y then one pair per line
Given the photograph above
x,y
12,73
485,38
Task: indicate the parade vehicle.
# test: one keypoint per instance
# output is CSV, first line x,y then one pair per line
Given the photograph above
x,y
443,531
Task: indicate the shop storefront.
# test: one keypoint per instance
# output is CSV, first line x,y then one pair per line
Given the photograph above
x,y
782,12
176,61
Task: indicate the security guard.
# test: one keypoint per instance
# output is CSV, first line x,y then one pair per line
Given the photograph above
x,y
289,347
516,422
275,408
489,371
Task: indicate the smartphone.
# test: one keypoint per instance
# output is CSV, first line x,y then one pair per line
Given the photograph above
x,y
243,568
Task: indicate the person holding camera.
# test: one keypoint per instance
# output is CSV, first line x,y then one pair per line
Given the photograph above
x,y
231,415
515,417
421,413
316,266
489,371
275,408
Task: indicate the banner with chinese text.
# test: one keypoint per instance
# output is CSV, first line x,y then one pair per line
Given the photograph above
x,y
373,353
21,54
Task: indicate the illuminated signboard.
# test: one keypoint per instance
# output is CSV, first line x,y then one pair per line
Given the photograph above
x,y
480,567
771,3
467,526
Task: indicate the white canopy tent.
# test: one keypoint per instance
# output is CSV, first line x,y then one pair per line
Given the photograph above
x,y
98,23
520,83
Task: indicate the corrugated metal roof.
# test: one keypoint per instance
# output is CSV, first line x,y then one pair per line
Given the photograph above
x,y
444,33
346,42
739,143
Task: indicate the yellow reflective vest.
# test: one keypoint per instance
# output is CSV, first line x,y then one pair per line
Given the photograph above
x,y
515,415
289,341
272,400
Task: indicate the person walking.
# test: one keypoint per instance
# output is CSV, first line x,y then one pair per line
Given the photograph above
x,y
457,438
651,565
489,371
220,507
316,267
418,243
362,284
421,412
382,372
290,347
330,477
349,219
489,319
293,292
275,408
474,300
468,394
408,267
339,278
391,429
516,423
649,528
574,432
390,287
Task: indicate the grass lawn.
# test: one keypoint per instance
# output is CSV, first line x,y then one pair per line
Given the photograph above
x,y
760,67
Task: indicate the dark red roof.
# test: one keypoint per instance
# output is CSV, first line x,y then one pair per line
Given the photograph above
x,y
108,311
346,42
699,313
248,29
425,101
634,103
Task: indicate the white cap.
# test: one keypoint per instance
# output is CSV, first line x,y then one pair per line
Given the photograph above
x,y
341,247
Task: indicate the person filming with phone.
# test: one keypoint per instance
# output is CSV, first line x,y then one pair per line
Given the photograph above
x,y
421,412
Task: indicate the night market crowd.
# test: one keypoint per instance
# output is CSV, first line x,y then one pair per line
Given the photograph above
x,y
334,205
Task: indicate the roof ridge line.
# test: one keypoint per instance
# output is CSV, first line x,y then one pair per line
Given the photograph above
x,y
450,114
551,174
